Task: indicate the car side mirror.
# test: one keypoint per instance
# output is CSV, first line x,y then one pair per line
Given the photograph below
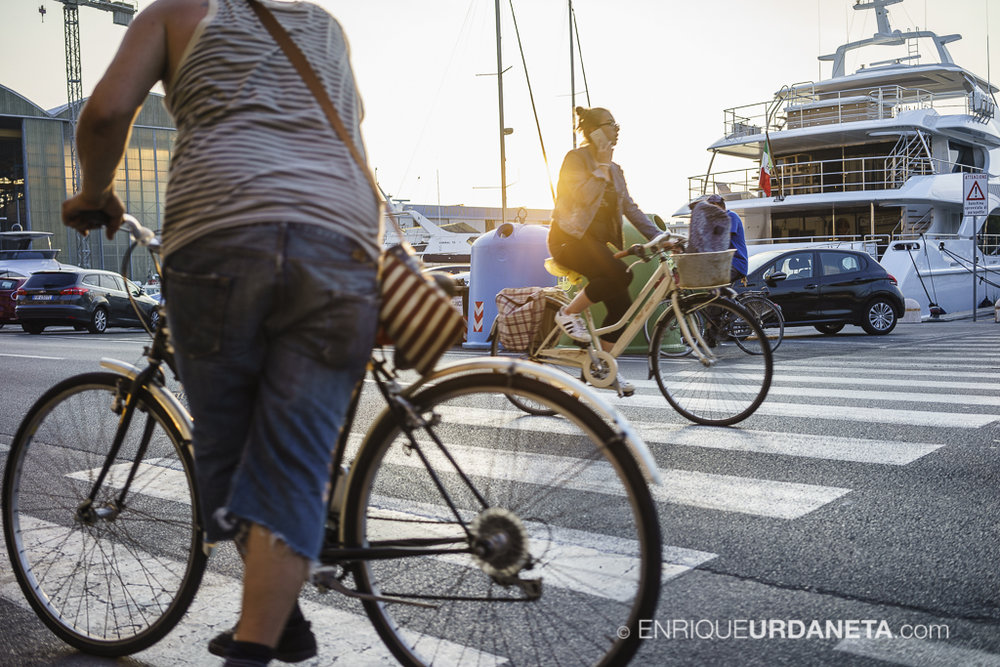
x,y
773,278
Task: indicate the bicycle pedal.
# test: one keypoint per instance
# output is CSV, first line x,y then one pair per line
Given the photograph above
x,y
326,578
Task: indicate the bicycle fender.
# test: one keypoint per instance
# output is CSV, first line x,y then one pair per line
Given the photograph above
x,y
178,413
557,378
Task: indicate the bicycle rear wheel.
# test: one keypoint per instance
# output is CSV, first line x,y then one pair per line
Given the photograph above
x,y
769,316
115,581
731,385
569,543
529,406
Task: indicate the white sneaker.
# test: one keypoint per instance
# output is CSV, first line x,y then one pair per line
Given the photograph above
x,y
573,326
626,387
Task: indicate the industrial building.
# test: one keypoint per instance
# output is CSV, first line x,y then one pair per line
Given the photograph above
x,y
36,175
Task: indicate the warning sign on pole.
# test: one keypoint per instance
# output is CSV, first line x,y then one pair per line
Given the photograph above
x,y
974,194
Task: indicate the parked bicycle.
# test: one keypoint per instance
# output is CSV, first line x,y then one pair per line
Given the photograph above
x,y
767,312
471,534
709,355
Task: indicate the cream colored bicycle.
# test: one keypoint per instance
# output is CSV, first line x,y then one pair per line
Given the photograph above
x,y
709,355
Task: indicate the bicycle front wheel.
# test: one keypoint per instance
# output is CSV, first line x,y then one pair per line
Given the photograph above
x,y
113,580
768,316
733,379
554,538
672,342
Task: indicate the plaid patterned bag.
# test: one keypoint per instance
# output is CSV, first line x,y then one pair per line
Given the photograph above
x,y
521,316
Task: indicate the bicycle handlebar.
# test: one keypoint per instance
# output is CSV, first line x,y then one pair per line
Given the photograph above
x,y
659,243
142,235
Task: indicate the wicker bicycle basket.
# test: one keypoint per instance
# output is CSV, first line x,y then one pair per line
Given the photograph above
x,y
701,270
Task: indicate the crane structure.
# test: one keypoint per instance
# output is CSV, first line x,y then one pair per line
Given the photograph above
x,y
121,13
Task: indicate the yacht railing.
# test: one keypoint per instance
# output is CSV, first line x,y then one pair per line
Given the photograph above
x,y
877,244
859,174
858,242
805,106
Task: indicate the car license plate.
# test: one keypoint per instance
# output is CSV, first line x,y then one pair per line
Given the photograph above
x,y
42,297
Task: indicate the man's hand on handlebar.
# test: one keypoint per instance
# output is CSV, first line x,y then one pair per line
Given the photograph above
x,y
84,213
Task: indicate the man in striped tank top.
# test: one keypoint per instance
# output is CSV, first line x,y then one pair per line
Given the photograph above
x,y
270,244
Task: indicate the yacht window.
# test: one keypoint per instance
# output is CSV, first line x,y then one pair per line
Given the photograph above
x,y
989,236
965,156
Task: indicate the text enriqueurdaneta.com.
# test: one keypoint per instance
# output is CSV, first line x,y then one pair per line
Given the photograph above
x,y
715,629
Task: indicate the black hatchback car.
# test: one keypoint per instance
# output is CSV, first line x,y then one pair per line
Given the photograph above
x,y
828,288
82,298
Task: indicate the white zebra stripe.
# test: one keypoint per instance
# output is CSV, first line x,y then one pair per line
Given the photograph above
x,y
841,412
918,653
782,500
895,394
861,450
917,381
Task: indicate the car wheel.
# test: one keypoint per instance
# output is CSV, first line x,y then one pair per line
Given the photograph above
x,y
33,328
98,321
829,329
880,318
154,319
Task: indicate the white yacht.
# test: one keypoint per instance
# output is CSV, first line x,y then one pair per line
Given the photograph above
x,y
433,243
875,159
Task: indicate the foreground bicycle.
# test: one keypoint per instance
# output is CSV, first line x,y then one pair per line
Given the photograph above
x,y
472,533
709,355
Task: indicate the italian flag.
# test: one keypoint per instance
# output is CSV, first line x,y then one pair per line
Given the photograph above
x,y
766,167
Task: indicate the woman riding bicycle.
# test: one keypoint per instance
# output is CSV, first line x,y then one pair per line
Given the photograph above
x,y
591,199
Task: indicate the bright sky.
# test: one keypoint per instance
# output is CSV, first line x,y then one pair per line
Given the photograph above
x,y
665,69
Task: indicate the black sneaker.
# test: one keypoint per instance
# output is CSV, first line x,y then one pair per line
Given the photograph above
x,y
297,643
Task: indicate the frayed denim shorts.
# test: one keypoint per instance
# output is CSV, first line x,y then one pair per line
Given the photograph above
x,y
273,325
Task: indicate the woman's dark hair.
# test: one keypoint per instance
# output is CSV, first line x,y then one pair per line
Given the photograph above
x,y
588,120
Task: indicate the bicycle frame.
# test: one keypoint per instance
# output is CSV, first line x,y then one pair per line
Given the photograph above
x,y
396,399
659,284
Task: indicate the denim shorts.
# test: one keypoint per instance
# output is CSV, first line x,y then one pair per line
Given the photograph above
x,y
273,325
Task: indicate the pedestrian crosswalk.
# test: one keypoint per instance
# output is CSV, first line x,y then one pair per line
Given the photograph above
x,y
840,411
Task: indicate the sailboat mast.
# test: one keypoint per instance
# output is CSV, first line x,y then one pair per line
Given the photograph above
x,y
503,149
572,78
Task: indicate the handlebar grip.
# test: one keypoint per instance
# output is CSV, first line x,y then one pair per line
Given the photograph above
x,y
634,249
94,219
142,235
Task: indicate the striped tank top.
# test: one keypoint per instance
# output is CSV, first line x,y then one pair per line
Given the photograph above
x,y
253,144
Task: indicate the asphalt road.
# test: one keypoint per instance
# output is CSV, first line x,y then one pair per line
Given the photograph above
x,y
851,521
